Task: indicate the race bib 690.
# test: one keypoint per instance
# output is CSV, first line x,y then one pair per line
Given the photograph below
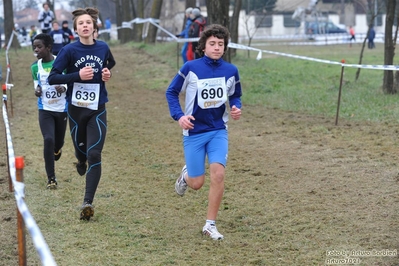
x,y
212,92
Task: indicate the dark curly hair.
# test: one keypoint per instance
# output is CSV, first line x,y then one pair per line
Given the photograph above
x,y
215,30
45,38
92,11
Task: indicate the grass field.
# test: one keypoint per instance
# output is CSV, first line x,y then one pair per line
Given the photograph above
x,y
298,188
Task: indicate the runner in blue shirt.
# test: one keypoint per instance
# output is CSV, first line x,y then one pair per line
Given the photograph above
x,y
208,83
84,62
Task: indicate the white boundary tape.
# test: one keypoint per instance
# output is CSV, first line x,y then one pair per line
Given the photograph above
x,y
155,22
19,188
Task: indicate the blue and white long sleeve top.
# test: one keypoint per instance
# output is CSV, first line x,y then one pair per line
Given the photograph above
x,y
207,84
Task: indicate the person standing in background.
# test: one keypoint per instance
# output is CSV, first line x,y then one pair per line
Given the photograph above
x,y
352,33
68,35
32,33
46,16
108,25
197,26
184,34
58,36
371,37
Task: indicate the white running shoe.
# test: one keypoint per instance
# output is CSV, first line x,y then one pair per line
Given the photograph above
x,y
181,185
212,231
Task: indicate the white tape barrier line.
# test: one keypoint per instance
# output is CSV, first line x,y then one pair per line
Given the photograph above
x,y
259,56
7,58
377,67
19,188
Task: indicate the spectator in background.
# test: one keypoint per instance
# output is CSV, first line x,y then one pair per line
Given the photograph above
x,y
32,33
99,23
184,34
24,34
16,28
108,25
352,33
371,37
46,16
58,37
197,26
68,35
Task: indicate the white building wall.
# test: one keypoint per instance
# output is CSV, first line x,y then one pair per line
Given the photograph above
x,y
247,24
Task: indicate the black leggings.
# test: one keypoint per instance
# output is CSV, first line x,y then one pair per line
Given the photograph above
x,y
53,126
88,130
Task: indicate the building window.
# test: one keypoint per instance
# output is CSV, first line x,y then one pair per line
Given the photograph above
x,y
291,23
264,21
378,20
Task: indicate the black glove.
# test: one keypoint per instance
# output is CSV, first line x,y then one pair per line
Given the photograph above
x,y
177,35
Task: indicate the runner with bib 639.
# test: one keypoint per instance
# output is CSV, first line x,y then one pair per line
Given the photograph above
x,y
85,65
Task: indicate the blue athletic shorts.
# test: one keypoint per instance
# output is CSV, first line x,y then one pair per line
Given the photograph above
x,y
213,144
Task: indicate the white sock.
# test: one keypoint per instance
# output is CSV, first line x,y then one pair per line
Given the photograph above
x,y
211,222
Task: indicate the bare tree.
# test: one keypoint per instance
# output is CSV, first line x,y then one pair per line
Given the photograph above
x,y
138,28
370,9
389,48
9,24
250,31
51,4
218,12
191,3
125,34
234,25
155,14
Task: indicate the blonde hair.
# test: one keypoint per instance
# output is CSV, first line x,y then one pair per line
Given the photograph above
x,y
91,11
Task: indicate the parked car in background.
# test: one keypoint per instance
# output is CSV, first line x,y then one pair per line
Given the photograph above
x,y
323,27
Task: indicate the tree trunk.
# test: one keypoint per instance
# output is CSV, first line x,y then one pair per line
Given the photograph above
x,y
191,3
389,51
218,13
125,34
138,28
155,14
51,5
342,13
361,54
118,14
234,25
371,23
9,24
